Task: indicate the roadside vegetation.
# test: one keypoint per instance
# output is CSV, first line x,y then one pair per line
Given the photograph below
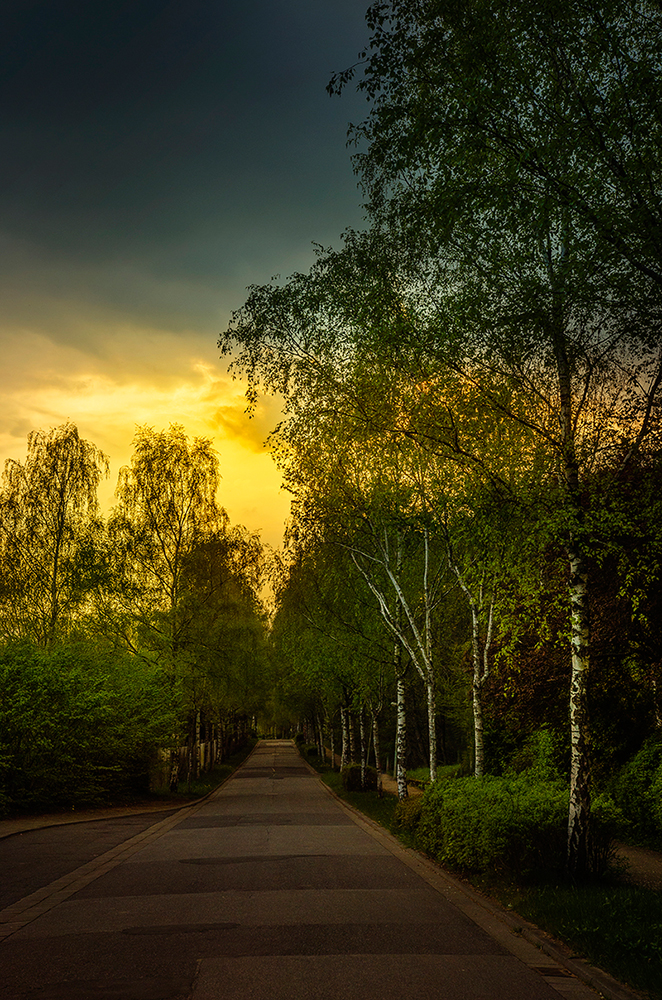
x,y
471,829
133,650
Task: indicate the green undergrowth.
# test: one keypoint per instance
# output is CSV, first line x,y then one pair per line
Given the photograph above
x,y
614,925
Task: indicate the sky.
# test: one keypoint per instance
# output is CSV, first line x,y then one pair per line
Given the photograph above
x,y
157,158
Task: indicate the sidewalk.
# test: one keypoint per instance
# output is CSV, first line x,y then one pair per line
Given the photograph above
x,y
21,824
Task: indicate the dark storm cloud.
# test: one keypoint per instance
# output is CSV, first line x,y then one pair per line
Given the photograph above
x,y
160,156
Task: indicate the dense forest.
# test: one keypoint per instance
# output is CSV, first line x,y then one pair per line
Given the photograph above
x,y
471,430
128,639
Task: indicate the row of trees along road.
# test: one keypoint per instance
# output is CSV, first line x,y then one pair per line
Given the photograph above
x,y
165,578
472,384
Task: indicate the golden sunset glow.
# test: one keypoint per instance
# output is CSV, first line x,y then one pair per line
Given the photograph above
x,y
148,377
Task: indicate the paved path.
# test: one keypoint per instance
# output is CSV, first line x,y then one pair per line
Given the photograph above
x,y
269,889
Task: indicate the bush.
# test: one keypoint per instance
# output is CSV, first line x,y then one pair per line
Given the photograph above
x,y
78,724
636,792
540,758
299,739
407,814
509,824
495,823
351,778
607,823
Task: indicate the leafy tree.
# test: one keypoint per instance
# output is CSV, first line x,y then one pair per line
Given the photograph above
x,y
223,625
514,149
50,546
78,723
166,508
510,106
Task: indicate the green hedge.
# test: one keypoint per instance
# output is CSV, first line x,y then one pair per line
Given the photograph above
x,y
78,724
637,791
502,824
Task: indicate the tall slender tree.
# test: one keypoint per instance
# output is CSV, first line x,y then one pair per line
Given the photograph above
x,y
514,147
50,546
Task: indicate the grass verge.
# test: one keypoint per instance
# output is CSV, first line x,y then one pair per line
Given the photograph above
x,y
613,925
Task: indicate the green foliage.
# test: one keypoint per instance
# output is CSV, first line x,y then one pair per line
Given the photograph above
x,y
408,813
351,778
636,791
516,824
485,823
618,928
540,757
79,724
50,537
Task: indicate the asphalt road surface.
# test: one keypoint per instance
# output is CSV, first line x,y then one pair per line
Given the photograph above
x,y
269,890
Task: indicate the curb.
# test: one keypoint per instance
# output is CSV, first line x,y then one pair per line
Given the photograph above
x,y
517,927
112,812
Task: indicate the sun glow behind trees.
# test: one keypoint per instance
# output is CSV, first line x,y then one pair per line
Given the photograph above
x,y
166,588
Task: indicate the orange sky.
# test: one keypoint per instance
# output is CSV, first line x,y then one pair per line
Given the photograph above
x,y
143,376
159,157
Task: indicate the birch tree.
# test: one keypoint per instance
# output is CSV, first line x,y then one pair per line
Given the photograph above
x,y
51,539
166,508
515,147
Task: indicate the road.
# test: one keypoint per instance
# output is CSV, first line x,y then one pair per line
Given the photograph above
x,y
269,890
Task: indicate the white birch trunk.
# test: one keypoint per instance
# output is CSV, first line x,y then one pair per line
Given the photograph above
x,y
363,748
416,641
376,747
480,651
401,740
352,736
344,753
580,784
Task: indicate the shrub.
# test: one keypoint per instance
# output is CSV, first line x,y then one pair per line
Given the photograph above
x,y
299,739
540,758
656,796
78,724
495,823
407,814
607,823
509,824
351,778
636,792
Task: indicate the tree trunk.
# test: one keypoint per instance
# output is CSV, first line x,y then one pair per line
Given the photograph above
x,y
352,736
344,753
364,748
580,777
479,746
375,743
432,725
401,740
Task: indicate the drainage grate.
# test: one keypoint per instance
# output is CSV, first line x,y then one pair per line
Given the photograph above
x,y
552,970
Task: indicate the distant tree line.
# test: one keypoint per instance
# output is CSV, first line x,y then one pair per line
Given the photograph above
x,y
121,636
